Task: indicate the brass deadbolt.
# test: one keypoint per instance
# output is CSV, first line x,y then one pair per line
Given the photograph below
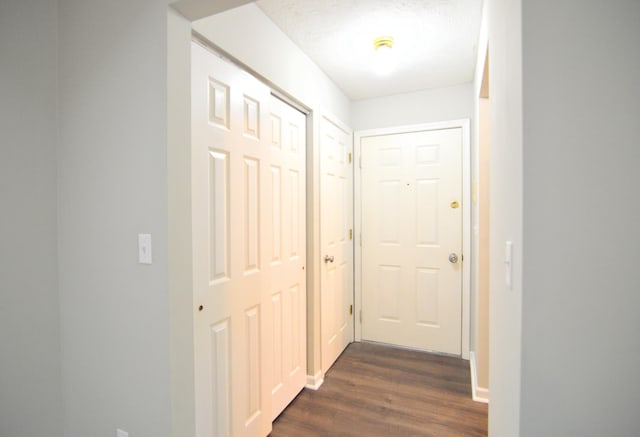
x,y
455,204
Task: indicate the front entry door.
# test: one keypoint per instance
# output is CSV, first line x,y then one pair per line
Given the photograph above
x,y
412,239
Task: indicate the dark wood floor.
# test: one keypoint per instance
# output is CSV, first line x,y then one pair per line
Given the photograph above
x,y
374,390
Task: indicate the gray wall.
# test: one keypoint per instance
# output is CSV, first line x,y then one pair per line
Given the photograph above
x,y
581,296
30,393
112,185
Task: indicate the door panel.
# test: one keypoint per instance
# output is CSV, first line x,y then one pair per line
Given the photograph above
x,y
336,240
412,293
287,242
249,282
228,173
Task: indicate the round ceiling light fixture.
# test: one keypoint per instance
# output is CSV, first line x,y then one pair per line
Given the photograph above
x,y
384,61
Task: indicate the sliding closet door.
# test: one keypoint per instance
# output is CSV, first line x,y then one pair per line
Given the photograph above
x,y
249,229
287,253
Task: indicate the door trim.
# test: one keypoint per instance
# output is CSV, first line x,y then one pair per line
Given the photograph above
x,y
466,217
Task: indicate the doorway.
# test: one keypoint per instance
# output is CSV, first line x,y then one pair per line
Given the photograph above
x,y
412,208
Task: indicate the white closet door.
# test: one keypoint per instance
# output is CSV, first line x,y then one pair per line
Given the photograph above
x,y
336,234
232,332
286,253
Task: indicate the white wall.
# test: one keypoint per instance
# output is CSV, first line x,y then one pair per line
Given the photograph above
x,y
112,185
270,53
505,67
30,388
437,104
581,295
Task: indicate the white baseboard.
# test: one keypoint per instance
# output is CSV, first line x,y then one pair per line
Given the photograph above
x,y
480,394
314,381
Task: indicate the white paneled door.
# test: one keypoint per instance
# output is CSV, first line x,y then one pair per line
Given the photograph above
x,y
412,239
336,234
286,258
249,250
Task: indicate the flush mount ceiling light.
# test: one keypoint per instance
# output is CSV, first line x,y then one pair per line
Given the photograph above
x,y
384,60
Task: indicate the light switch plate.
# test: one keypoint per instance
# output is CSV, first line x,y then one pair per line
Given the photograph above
x,y
508,264
121,433
144,249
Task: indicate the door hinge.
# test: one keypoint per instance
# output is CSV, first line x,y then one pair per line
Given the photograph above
x,y
350,234
360,161
360,316
350,310
350,157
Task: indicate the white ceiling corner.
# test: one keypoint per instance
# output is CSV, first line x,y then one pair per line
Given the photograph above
x,y
435,41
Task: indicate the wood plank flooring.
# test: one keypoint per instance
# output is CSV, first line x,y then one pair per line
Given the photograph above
x,y
375,390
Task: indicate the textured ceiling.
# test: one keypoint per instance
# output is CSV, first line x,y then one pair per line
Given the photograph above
x,y
434,40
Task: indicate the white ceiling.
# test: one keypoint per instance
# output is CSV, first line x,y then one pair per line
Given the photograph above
x,y
435,41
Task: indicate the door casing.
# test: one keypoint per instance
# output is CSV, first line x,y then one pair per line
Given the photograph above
x,y
466,217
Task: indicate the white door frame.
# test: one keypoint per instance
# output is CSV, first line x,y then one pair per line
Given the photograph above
x,y
466,217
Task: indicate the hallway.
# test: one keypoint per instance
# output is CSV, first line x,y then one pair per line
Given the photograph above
x,y
375,390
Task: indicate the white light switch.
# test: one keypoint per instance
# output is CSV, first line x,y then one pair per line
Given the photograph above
x,y
508,264
144,248
121,433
